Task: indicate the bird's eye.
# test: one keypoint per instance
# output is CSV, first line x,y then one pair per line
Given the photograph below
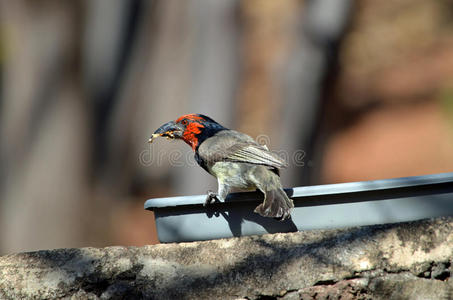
x,y
184,122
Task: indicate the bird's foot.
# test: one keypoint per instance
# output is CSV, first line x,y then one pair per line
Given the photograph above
x,y
210,198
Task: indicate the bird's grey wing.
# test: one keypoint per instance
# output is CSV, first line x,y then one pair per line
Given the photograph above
x,y
254,154
234,146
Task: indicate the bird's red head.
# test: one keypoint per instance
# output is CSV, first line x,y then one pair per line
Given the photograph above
x,y
193,126
192,129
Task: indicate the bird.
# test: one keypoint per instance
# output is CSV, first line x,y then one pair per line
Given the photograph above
x,y
237,161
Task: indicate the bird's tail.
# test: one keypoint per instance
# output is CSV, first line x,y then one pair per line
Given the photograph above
x,y
276,204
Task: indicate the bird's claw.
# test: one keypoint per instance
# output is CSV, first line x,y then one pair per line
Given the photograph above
x,y
210,198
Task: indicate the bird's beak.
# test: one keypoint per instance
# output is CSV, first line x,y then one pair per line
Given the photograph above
x,y
171,130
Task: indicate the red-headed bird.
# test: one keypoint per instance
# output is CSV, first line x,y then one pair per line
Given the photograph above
x,y
235,159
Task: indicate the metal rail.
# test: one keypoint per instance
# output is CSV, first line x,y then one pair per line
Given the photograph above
x,y
321,206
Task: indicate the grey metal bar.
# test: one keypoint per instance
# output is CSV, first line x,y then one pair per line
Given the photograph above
x,y
355,191
322,206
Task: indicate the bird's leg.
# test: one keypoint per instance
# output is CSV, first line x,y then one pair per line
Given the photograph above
x,y
221,194
223,191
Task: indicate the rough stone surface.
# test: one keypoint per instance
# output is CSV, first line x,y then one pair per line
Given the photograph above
x,y
397,261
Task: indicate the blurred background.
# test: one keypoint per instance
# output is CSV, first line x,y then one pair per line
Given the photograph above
x,y
350,90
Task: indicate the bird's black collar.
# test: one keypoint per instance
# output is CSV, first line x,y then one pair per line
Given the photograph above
x,y
209,130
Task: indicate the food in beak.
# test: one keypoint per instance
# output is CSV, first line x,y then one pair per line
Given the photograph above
x,y
169,135
153,136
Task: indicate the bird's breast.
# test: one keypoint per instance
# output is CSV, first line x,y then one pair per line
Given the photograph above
x,y
232,174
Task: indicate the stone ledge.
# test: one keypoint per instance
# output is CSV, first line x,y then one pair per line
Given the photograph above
x,y
396,261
